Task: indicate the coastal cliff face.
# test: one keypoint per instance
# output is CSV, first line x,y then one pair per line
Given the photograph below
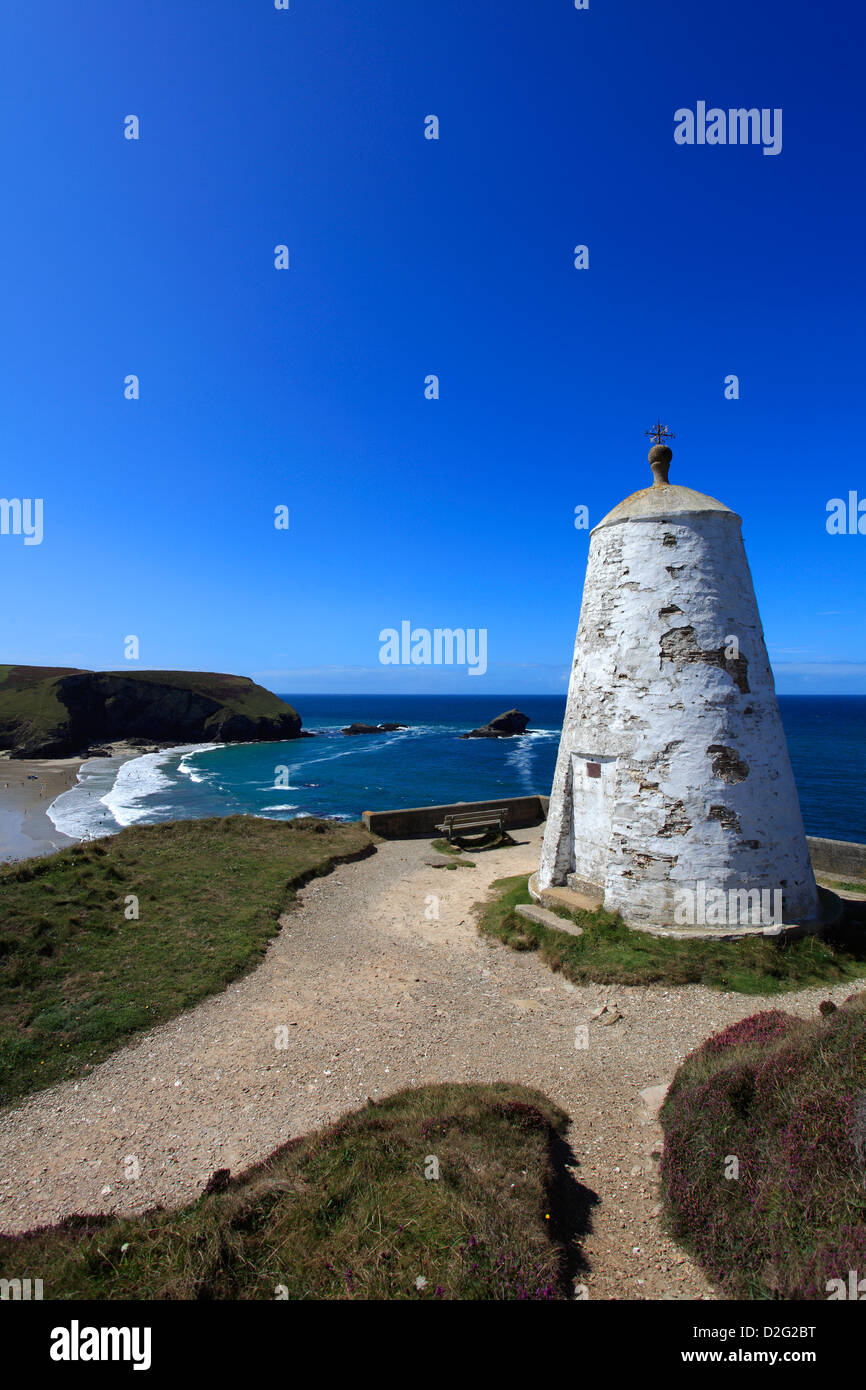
x,y
61,715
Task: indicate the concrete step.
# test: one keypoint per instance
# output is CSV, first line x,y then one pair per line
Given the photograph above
x,y
571,898
584,887
545,918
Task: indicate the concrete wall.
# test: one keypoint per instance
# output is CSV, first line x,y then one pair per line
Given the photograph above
x,y
839,857
421,821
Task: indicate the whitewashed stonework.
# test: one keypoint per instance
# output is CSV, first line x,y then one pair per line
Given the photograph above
x,y
673,768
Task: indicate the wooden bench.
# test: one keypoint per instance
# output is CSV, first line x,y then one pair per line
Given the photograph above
x,y
460,821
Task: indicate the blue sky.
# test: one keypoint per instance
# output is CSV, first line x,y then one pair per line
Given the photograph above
x,y
409,257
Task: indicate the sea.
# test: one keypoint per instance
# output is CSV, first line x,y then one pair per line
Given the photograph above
x,y
425,764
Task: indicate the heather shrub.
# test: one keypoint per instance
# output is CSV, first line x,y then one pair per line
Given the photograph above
x,y
764,1165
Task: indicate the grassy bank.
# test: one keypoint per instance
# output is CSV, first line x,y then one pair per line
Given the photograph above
x,y
78,976
609,953
764,1166
346,1213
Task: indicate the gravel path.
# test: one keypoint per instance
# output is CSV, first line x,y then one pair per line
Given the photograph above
x,y
373,997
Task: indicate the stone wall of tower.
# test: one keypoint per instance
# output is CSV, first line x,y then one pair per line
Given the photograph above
x,y
673,767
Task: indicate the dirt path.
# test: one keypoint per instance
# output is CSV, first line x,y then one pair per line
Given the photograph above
x,y
373,995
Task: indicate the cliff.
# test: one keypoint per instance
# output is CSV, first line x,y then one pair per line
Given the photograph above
x,y
54,712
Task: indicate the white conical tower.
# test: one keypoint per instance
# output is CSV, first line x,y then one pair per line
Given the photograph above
x,y
673,777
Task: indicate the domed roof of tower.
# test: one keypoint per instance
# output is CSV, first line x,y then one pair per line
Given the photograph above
x,y
663,499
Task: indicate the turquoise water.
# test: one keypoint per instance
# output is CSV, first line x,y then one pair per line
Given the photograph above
x,y
334,775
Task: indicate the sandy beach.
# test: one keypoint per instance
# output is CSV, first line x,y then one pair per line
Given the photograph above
x,y
27,789
28,786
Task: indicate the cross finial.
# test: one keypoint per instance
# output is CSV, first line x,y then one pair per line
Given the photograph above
x,y
659,433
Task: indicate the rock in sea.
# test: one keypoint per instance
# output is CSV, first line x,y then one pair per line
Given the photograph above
x,y
503,726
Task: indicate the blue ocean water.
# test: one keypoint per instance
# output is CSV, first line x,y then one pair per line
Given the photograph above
x,y
827,741
334,775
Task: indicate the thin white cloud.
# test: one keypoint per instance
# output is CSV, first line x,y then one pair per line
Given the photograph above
x,y
821,668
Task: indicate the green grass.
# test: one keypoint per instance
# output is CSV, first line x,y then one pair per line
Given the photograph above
x,y
29,708
485,840
786,1099
18,676
77,979
348,1213
610,953
443,847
